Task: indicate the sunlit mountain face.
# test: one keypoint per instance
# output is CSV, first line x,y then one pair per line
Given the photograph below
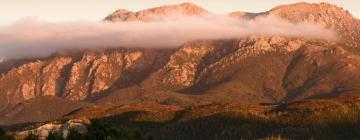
x,y
184,72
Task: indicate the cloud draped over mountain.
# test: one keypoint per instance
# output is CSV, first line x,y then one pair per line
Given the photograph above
x,y
33,38
258,60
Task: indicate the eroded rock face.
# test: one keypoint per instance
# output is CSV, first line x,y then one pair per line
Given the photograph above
x,y
98,71
181,69
95,72
51,73
243,49
38,78
79,79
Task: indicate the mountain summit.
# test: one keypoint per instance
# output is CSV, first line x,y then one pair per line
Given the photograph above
x,y
328,15
187,9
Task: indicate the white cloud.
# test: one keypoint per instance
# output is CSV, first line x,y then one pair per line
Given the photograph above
x,y
32,38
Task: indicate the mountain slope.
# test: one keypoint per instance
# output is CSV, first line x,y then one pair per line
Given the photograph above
x,y
253,69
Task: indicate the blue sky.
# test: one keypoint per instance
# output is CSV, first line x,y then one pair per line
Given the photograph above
x,y
95,10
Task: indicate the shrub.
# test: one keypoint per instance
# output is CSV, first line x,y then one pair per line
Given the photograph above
x,y
3,135
32,136
55,136
2,132
74,135
104,130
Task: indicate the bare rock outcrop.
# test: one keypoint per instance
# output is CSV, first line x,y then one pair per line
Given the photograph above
x,y
95,72
37,78
99,71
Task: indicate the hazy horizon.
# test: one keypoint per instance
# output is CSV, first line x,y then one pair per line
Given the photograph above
x,y
95,10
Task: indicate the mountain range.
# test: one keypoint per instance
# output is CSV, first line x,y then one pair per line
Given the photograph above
x,y
255,69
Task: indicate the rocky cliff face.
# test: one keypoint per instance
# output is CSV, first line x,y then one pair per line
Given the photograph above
x,y
37,78
252,69
64,76
195,65
97,71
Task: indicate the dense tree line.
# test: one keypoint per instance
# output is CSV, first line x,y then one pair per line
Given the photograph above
x,y
4,136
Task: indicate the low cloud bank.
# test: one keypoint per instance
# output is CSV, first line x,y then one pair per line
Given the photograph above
x,y
32,38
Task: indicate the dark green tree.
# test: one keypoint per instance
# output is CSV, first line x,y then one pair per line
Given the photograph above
x,y
55,136
32,136
104,130
2,132
74,135
3,135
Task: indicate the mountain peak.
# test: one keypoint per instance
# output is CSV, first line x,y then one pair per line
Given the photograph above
x,y
122,11
188,4
311,9
188,9
307,5
185,8
325,14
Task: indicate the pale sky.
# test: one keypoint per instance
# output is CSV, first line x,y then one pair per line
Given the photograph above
x,y
96,10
